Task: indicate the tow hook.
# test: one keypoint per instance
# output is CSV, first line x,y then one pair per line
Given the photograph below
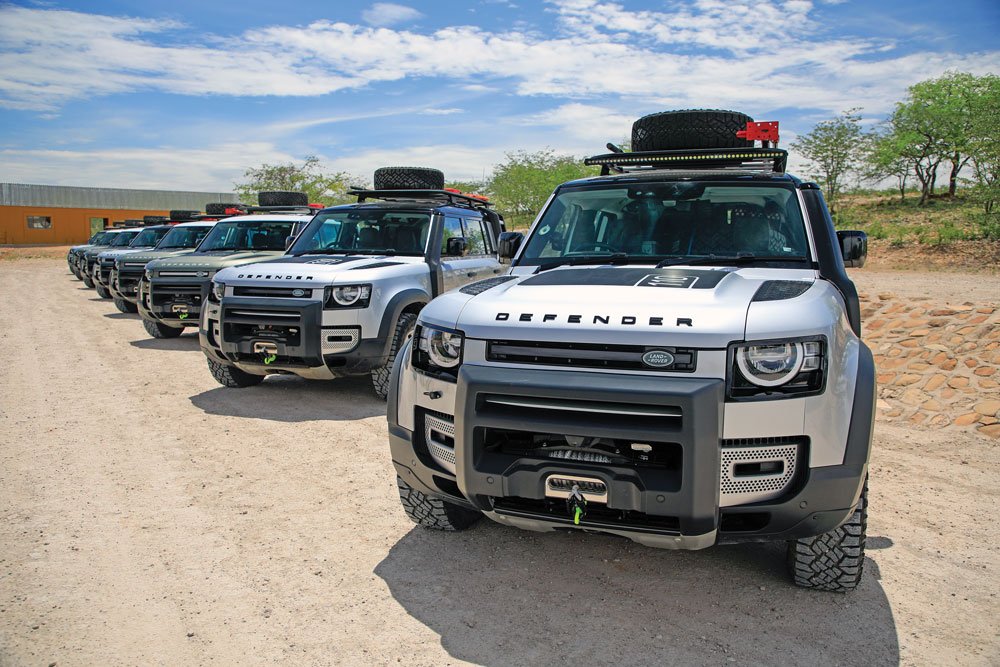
x,y
267,351
181,310
576,504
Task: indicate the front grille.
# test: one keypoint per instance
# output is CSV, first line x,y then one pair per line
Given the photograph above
x,y
278,292
577,409
625,452
758,469
182,274
593,355
252,316
161,293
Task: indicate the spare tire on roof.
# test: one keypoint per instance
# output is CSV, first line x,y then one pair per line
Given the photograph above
x,y
408,178
282,198
148,219
690,128
220,208
184,215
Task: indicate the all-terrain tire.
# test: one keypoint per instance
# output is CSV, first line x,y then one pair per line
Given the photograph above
x,y
219,208
126,306
690,128
381,375
160,330
102,291
408,178
183,214
230,376
834,560
282,198
76,272
88,281
434,513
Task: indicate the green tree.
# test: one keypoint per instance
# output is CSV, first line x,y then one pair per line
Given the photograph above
x,y
832,149
983,145
521,184
882,160
309,177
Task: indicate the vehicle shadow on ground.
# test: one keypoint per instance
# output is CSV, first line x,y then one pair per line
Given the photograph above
x,y
183,343
289,398
123,316
499,596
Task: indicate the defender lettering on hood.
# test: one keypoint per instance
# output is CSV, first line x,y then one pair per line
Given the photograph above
x,y
626,320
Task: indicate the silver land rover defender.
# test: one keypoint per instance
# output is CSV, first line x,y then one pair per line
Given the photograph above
x,y
346,295
173,289
104,267
674,357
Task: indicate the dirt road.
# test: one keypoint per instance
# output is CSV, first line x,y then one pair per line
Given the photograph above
x,y
151,517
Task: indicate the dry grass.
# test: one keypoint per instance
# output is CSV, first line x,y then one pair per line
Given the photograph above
x,y
9,253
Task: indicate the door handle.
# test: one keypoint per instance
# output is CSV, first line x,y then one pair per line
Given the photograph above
x,y
471,274
498,271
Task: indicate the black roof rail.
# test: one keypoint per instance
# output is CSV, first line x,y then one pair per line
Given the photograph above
x,y
762,159
455,198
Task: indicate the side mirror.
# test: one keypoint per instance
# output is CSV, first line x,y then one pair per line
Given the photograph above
x,y
457,246
508,245
853,247
289,240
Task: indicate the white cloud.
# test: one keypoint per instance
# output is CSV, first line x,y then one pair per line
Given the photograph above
x,y
441,112
389,13
761,55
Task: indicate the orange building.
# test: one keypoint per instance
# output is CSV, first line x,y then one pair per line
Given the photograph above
x,y
61,215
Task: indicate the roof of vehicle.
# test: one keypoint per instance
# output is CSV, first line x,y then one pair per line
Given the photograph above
x,y
654,175
270,217
199,223
407,205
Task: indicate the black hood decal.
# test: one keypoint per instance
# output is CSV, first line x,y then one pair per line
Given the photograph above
x,y
637,277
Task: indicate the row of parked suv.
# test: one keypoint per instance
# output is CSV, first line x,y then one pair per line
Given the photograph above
x,y
671,353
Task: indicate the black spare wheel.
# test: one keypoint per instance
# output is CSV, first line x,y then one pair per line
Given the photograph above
x,y
408,178
690,128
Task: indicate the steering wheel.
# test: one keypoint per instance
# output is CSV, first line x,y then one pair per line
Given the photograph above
x,y
596,245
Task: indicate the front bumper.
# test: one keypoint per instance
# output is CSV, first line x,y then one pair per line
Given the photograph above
x,y
125,284
235,330
672,507
176,302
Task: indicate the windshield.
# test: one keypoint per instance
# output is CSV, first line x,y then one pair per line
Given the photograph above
x,y
99,238
149,237
248,235
184,237
122,239
652,222
365,231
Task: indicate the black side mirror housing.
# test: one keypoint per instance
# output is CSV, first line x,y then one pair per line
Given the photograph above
x,y
289,240
853,247
508,244
457,246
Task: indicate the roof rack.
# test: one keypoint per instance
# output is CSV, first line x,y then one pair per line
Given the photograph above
x,y
243,210
760,159
450,196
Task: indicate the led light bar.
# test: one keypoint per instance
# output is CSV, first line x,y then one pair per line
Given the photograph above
x,y
774,159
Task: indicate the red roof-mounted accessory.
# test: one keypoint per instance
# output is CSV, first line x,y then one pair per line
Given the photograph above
x,y
234,211
765,131
317,206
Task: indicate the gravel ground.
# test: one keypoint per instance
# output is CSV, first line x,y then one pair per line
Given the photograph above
x,y
150,517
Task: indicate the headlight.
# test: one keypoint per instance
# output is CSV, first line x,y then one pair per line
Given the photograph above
x,y
792,367
148,274
437,350
348,296
219,290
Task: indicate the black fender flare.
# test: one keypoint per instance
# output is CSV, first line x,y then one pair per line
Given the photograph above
x,y
393,309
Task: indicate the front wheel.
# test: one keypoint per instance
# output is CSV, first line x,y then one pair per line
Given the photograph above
x,y
834,560
230,376
126,306
102,291
160,330
434,513
88,281
380,376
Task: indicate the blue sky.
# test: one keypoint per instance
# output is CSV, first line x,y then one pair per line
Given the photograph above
x,y
187,94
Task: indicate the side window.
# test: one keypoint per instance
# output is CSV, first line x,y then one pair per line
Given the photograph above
x,y
475,236
452,227
488,239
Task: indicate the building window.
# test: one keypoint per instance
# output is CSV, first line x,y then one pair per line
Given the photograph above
x,y
39,222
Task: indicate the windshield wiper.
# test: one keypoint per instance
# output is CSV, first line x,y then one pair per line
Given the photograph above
x,y
614,258
743,258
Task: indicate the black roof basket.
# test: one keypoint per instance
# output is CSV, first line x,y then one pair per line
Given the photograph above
x,y
454,198
310,209
771,160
